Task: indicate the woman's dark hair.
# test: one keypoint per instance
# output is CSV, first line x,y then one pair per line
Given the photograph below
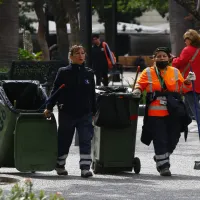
x,y
95,36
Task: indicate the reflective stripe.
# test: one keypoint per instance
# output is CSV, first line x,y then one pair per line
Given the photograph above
x,y
158,109
85,162
163,156
138,85
160,163
149,79
155,107
176,78
61,162
85,156
63,157
161,98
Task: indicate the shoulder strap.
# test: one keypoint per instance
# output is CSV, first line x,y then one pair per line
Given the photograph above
x,y
188,65
110,54
104,44
161,80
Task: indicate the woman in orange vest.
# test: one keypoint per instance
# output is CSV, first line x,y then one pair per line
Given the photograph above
x,y
166,116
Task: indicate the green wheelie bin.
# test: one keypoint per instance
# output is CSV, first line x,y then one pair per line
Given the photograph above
x,y
113,145
28,141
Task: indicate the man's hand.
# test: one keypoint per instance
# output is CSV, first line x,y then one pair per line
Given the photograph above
x,y
189,17
137,93
47,113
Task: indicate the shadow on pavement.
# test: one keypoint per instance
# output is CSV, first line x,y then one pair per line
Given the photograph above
x,y
125,177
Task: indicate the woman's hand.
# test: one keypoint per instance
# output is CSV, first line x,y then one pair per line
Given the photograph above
x,y
137,93
47,113
191,77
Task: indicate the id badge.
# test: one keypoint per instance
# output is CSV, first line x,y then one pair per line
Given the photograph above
x,y
162,102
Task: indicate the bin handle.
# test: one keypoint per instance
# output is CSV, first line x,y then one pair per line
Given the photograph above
x,y
138,70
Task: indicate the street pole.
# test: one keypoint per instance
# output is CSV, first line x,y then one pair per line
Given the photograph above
x,y
114,27
86,27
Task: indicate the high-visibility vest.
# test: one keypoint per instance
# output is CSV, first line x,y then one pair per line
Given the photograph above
x,y
149,81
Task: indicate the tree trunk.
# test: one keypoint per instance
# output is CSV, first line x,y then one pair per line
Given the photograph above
x,y
62,40
178,26
108,26
190,6
71,10
56,8
9,32
38,6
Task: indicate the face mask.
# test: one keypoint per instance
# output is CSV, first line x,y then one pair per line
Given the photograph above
x,y
162,64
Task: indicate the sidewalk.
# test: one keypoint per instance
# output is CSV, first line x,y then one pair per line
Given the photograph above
x,y
184,184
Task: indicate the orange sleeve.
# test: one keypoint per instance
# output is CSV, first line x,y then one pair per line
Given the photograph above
x,y
182,86
142,82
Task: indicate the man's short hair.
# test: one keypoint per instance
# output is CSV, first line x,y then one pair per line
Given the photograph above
x,y
95,35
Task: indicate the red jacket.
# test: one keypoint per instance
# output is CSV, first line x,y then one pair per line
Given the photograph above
x,y
182,61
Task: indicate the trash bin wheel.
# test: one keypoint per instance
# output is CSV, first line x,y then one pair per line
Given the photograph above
x,y
136,165
96,168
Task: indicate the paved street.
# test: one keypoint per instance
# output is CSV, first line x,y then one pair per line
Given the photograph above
x,y
184,184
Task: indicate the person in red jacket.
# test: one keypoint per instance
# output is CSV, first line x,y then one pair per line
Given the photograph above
x,y
190,57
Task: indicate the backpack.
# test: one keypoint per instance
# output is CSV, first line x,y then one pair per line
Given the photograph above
x,y
111,59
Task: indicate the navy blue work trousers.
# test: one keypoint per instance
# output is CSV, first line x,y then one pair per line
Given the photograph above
x,y
66,129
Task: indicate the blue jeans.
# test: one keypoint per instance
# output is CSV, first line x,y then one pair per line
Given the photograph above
x,y
189,101
66,130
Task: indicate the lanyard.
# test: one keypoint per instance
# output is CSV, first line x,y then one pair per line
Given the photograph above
x,y
162,83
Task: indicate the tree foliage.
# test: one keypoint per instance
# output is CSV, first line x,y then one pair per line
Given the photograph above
x,y
125,12
25,23
190,6
128,10
161,6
